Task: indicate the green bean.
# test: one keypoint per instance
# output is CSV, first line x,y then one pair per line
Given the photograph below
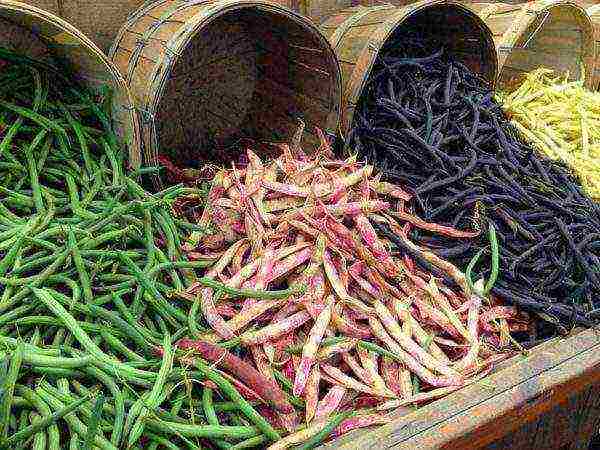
x,y
74,423
122,325
35,117
151,402
94,190
211,415
33,173
252,442
162,326
172,273
44,410
63,393
179,265
8,260
104,299
84,277
28,348
160,440
21,422
117,346
192,324
92,429
35,337
153,293
8,388
39,440
469,270
227,406
170,233
16,313
251,293
115,166
177,403
234,395
74,442
9,136
379,350
318,438
128,316
20,402
416,385
56,361
55,372
136,305
118,400
203,431
495,260
288,385
85,341
74,198
183,331
41,160
44,423
42,243
77,128
92,243
133,254
37,280
48,320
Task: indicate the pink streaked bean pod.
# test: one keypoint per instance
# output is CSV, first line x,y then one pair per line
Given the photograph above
x,y
309,351
331,402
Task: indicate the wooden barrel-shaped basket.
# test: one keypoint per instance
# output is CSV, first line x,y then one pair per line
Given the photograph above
x,y
358,34
593,10
41,35
206,73
553,34
100,20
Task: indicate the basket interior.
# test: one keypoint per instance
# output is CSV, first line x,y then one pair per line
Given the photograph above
x,y
459,31
22,40
556,38
250,72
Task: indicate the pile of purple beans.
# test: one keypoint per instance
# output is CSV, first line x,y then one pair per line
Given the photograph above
x,y
427,121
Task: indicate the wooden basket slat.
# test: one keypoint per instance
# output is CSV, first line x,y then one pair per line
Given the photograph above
x,y
357,35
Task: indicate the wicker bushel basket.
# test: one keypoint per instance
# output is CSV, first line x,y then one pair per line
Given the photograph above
x,y
206,73
357,35
556,35
40,34
100,20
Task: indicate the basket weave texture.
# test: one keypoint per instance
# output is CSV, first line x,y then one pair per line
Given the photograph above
x,y
207,73
553,34
100,20
42,35
593,10
359,33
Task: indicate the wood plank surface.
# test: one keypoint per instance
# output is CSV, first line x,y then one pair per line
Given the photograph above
x,y
548,399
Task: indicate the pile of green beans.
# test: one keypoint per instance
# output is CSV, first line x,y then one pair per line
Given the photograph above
x,y
88,262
